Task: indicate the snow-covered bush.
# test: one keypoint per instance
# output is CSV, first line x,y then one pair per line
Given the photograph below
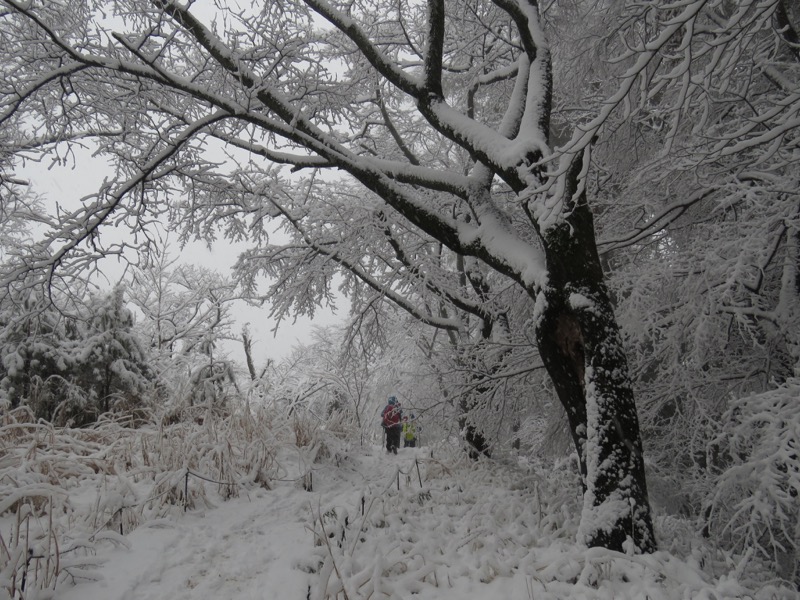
x,y
71,368
756,503
66,493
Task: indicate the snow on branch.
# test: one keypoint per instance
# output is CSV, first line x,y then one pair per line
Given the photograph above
x,y
371,51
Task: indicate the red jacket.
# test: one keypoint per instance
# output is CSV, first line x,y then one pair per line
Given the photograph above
x,y
391,415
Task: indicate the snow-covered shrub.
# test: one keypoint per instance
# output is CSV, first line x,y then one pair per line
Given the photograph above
x,y
226,452
341,423
304,427
71,368
65,493
41,465
209,391
27,559
756,501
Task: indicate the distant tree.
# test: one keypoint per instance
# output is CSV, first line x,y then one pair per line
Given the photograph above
x,y
110,360
349,368
294,383
183,306
186,313
33,354
73,368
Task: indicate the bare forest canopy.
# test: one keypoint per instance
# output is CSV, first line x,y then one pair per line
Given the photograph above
x,y
571,220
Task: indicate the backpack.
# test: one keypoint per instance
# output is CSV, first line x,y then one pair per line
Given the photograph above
x,y
391,415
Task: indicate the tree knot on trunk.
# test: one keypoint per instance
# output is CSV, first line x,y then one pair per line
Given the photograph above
x,y
569,340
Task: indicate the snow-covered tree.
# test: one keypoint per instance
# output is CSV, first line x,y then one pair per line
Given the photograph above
x,y
185,308
439,119
111,361
695,178
186,312
34,360
73,368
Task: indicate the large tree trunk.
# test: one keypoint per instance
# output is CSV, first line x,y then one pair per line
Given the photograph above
x,y
580,344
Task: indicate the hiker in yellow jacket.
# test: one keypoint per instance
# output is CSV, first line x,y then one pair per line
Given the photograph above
x,y
409,432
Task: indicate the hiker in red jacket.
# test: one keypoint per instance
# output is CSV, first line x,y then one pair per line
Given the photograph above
x,y
392,416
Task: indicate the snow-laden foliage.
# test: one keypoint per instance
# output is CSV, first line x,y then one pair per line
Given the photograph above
x,y
755,504
71,368
66,494
184,308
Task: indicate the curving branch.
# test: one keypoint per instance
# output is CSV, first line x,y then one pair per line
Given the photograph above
x,y
416,271
362,275
435,49
398,139
654,225
371,52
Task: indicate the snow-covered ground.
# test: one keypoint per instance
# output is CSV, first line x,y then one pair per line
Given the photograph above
x,y
248,547
427,523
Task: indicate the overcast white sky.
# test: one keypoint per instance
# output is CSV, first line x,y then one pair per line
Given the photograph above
x,y
66,185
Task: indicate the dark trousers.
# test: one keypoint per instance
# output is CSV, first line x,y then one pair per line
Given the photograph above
x,y
393,438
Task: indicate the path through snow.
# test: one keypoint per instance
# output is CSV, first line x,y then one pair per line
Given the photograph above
x,y
230,551
454,530
259,545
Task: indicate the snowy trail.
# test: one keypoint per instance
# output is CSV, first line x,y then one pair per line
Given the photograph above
x,y
253,547
225,552
455,530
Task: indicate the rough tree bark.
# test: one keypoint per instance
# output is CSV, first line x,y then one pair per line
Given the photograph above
x,y
580,345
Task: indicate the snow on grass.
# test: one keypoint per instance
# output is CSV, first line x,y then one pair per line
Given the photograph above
x,y
322,520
